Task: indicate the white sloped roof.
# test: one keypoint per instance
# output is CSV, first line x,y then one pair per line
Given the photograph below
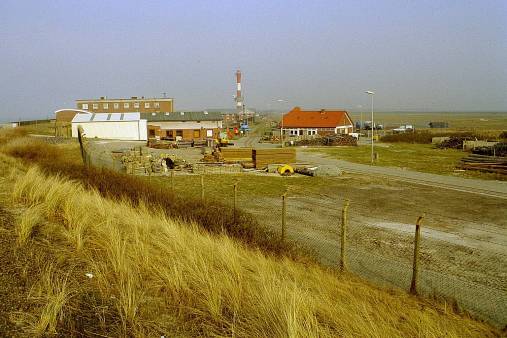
x,y
106,117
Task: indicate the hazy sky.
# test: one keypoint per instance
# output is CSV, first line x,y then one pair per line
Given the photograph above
x,y
417,55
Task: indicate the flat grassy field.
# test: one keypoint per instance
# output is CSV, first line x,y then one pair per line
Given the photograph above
x,y
418,157
470,121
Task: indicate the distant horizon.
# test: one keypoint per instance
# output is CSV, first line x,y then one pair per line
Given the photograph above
x,y
416,56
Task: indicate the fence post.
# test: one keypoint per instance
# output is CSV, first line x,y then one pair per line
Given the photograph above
x,y
235,201
202,187
343,258
81,145
284,212
415,267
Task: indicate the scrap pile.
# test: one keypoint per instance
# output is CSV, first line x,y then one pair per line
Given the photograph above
x,y
499,149
453,142
331,140
263,157
492,164
138,163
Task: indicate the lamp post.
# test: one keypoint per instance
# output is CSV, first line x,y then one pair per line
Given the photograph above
x,y
369,92
281,130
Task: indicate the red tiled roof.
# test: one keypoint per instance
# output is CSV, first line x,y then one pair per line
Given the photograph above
x,y
298,118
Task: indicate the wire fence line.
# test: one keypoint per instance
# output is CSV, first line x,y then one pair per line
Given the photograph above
x,y
452,265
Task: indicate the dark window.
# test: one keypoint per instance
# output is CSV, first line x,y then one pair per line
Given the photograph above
x,y
179,133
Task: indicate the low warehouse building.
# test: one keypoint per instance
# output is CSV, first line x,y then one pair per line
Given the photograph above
x,y
115,126
323,122
184,126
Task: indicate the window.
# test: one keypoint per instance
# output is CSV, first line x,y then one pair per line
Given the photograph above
x,y
95,106
136,104
146,105
209,133
156,105
116,106
151,133
126,105
197,133
105,106
84,106
179,133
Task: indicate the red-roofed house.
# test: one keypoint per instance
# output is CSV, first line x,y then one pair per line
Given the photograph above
x,y
323,122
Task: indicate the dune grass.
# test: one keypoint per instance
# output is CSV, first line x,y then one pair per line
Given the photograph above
x,y
212,215
137,272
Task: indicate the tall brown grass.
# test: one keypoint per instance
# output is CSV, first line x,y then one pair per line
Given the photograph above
x,y
140,273
211,215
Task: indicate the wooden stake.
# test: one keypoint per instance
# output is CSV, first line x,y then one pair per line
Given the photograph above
x,y
415,267
284,211
343,258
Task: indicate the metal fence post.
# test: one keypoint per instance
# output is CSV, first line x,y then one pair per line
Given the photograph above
x,y
415,267
284,211
343,258
235,201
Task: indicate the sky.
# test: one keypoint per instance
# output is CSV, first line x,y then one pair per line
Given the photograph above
x,y
438,55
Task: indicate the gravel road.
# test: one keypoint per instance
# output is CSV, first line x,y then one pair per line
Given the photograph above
x,y
475,186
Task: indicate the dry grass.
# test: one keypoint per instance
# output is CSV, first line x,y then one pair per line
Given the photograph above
x,y
153,275
29,220
214,216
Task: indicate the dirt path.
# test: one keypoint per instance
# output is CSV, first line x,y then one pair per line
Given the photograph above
x,y
475,186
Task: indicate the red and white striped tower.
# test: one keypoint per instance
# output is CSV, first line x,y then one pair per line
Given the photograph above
x,y
239,97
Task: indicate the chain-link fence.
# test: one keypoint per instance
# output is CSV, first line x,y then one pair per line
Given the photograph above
x,y
467,268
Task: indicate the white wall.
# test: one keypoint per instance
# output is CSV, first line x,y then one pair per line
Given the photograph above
x,y
187,124
114,130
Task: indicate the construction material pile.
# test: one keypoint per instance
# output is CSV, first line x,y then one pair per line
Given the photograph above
x,y
236,154
453,142
137,162
263,157
331,140
499,149
492,164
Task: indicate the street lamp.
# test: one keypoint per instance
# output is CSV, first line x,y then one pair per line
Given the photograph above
x,y
369,92
281,130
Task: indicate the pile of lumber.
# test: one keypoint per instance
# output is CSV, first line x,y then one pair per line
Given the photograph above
x,y
331,140
453,142
492,164
499,149
263,157
236,154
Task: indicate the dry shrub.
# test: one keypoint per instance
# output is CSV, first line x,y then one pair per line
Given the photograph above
x,y
152,275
